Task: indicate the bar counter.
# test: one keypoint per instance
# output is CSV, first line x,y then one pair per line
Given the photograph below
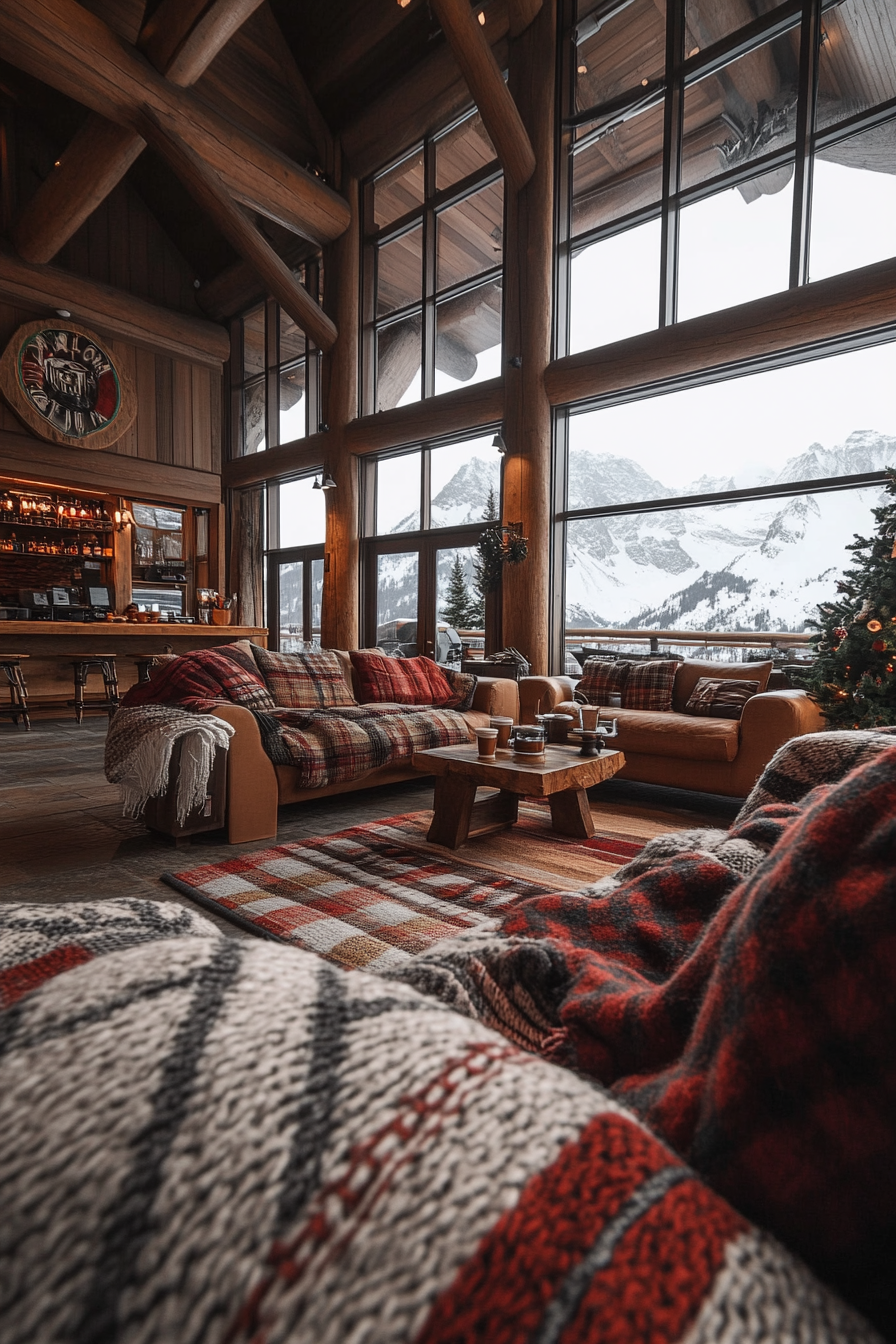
x,y
51,644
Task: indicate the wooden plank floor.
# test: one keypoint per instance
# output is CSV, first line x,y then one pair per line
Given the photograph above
x,y
63,838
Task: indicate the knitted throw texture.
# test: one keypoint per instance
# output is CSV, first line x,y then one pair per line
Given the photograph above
x,y
738,990
138,755
209,1141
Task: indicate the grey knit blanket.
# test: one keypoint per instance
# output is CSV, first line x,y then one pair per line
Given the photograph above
x,y
208,1141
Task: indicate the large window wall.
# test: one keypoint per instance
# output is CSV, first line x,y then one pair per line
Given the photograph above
x,y
434,240
725,506
714,153
718,152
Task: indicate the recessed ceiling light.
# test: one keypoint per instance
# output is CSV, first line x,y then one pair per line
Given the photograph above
x,y
481,17
63,312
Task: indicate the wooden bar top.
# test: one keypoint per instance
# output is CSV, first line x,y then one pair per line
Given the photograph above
x,y
51,644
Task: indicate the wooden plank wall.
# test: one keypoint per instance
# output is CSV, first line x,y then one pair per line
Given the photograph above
x,y
179,404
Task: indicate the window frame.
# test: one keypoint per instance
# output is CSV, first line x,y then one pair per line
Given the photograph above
x,y
668,91
435,202
273,367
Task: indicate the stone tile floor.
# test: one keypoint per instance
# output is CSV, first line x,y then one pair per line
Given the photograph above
x,y
63,838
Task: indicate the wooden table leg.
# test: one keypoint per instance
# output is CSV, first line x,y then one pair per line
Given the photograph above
x,y
571,814
452,809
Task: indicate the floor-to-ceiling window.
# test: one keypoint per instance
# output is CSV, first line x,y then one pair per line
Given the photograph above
x,y
433,252
716,153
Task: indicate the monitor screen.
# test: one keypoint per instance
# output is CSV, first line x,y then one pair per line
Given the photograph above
x,y
98,597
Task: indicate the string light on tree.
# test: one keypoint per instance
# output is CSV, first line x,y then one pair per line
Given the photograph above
x,y
852,678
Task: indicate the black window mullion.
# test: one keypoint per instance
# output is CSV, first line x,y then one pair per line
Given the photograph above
x,y
425,484
810,41
428,335
672,132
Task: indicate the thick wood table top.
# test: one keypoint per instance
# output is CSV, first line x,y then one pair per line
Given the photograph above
x,y
559,769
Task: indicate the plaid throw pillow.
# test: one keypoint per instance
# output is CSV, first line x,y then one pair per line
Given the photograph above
x,y
720,699
649,685
463,685
599,678
405,681
305,680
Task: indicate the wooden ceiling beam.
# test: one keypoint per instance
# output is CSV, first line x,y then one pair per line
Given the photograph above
x,y
210,194
48,40
499,113
520,14
102,152
114,312
309,114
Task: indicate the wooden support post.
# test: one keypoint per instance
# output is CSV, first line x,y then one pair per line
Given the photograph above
x,y
341,616
49,39
211,195
527,324
495,101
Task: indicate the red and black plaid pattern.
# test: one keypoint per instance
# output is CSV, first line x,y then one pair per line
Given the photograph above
x,y
404,681
305,680
298,1152
201,679
751,1023
720,699
334,746
649,685
599,678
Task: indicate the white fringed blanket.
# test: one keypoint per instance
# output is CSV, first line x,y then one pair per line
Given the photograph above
x,y
138,755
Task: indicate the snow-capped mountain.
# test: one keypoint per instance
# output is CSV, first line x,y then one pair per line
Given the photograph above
x,y
758,565
764,564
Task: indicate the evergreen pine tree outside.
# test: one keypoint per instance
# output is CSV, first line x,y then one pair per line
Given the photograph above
x,y
483,582
459,607
853,680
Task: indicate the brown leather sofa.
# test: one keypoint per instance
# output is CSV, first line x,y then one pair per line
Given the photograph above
x,y
682,750
256,787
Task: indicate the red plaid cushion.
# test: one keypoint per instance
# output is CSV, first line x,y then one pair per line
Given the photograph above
x,y
720,699
404,681
649,685
599,678
305,680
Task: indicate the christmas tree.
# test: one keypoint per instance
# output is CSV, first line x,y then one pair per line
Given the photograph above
x,y
459,607
853,680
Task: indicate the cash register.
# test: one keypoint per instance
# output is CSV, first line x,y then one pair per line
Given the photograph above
x,y
66,604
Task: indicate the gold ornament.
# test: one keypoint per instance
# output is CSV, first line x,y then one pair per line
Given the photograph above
x,y
874,626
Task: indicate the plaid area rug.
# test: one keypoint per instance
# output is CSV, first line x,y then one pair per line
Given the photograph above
x,y
376,894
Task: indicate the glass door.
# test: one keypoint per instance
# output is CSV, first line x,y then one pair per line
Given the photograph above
x,y
295,591
421,595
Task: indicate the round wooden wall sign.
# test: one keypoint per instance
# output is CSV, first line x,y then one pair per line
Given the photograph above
x,y
62,382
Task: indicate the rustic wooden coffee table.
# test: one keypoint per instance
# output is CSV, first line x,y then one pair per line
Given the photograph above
x,y
561,776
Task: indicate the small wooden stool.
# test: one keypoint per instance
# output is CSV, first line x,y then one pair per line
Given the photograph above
x,y
143,666
10,663
105,664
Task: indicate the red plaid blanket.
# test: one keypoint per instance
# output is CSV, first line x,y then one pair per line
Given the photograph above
x,y
750,1020
332,746
326,746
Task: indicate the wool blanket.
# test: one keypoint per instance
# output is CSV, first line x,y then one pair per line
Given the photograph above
x,y
334,746
326,746
741,997
138,755
208,1141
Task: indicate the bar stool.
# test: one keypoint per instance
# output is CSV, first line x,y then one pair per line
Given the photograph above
x,y
143,666
99,662
18,691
